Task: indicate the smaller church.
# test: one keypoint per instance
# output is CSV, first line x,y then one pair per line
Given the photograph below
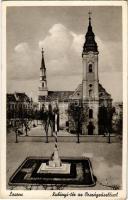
x,y
90,101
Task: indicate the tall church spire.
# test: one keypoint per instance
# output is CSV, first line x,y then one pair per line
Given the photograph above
x,y
43,90
90,43
43,68
42,61
89,27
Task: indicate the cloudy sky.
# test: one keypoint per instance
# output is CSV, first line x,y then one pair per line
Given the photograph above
x,y
61,31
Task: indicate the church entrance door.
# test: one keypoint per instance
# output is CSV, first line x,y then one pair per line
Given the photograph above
x,y
90,128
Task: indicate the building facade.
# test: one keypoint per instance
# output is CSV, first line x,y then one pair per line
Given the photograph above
x,y
117,118
90,100
19,106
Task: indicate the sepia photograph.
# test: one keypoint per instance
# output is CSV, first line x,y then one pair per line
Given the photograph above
x,y
64,99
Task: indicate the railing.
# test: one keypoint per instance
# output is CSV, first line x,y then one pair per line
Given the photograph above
x,y
74,138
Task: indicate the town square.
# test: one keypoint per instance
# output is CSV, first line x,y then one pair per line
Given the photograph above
x,y
64,101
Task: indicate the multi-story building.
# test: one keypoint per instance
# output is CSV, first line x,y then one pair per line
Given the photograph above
x,y
19,106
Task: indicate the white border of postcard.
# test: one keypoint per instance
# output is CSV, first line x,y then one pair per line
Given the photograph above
x,y
48,194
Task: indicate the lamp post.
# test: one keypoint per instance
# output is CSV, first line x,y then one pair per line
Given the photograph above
x,y
47,122
78,134
16,132
47,132
78,124
107,125
109,137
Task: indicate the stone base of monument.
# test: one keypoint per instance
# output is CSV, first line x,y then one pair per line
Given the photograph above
x,y
63,169
54,165
40,171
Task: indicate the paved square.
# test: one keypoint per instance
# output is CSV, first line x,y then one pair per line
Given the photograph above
x,y
106,158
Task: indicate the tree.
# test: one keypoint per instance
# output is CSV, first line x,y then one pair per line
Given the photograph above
x,y
75,112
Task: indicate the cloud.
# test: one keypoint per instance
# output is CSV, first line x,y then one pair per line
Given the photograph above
x,y
22,63
21,48
58,41
109,52
63,46
78,41
58,66
62,52
63,49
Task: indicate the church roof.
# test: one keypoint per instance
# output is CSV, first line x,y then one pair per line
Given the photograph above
x,y
22,97
57,95
11,98
18,96
65,96
77,94
103,94
90,43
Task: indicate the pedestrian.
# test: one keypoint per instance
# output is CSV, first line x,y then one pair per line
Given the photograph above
x,y
26,127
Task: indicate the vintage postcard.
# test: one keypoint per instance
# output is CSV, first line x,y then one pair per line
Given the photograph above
x,y
64,100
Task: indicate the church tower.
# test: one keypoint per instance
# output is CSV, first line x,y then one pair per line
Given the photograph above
x,y
43,90
90,83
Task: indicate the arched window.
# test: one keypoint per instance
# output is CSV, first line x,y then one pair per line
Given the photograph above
x,y
90,93
42,84
90,68
90,113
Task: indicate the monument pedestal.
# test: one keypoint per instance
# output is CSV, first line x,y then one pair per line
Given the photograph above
x,y
63,169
